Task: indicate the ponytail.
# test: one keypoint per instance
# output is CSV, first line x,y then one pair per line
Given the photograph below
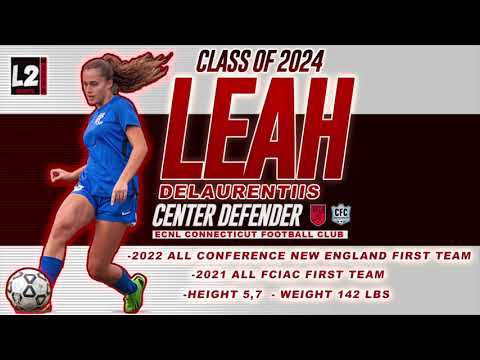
x,y
132,75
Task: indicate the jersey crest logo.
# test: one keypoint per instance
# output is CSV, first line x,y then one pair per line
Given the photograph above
x,y
98,120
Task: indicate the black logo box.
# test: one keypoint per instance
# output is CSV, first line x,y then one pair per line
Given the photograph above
x,y
28,76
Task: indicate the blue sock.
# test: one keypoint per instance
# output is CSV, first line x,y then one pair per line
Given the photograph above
x,y
124,285
51,267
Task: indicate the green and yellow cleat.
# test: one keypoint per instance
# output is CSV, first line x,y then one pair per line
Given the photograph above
x,y
133,302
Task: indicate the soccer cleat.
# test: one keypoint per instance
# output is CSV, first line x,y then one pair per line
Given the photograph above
x,y
133,302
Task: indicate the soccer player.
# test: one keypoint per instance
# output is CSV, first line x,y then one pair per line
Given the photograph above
x,y
107,187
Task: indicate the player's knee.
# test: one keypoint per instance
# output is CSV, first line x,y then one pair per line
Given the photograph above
x,y
97,269
62,230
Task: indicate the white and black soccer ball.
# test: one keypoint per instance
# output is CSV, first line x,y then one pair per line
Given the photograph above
x,y
28,290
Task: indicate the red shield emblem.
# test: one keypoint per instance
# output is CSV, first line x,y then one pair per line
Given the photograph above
x,y
318,214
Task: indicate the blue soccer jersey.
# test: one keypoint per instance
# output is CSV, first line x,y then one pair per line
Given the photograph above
x,y
108,146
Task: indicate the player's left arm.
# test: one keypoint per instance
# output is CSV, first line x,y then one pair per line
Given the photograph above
x,y
137,139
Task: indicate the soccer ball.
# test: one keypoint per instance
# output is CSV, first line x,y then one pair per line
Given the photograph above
x,y
28,290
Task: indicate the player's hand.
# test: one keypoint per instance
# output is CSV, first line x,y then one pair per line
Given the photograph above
x,y
119,192
60,174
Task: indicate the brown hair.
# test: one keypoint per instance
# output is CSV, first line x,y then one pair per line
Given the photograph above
x,y
132,75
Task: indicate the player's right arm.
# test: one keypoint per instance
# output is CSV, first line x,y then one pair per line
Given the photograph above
x,y
60,174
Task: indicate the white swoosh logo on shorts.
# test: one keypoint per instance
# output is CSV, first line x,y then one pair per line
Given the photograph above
x,y
78,187
126,213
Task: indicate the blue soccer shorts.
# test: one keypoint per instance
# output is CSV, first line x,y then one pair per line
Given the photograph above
x,y
125,212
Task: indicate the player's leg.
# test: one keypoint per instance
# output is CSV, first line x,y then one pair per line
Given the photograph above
x,y
106,242
74,213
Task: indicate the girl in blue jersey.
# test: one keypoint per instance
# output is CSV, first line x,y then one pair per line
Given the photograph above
x,y
107,187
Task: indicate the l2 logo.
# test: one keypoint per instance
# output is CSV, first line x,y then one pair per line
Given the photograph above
x,y
28,76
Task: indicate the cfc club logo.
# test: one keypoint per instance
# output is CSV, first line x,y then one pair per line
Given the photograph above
x,y
29,76
341,214
318,214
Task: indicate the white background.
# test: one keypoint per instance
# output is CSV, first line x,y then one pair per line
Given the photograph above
x,y
390,79
419,288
